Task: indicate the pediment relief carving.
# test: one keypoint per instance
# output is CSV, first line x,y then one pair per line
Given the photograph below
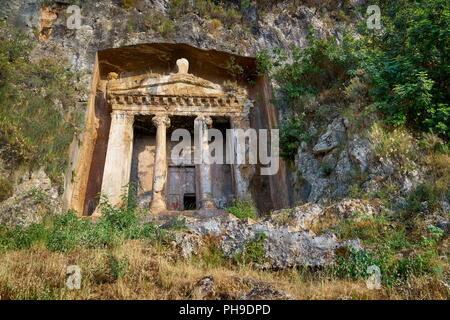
x,y
175,84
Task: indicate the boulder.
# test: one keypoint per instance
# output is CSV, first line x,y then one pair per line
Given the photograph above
x,y
335,134
32,199
203,289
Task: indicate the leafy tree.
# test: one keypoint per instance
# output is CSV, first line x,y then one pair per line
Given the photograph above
x,y
409,66
38,118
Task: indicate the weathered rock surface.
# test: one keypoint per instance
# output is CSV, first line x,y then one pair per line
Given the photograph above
x,y
266,293
334,135
32,199
315,217
283,248
188,244
203,288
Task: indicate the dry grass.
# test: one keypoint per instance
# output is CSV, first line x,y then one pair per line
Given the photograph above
x,y
154,272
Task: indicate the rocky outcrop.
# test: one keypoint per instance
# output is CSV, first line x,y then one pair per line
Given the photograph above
x,y
206,288
283,248
335,134
266,293
203,289
315,217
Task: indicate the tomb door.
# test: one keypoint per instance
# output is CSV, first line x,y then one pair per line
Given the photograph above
x,y
181,193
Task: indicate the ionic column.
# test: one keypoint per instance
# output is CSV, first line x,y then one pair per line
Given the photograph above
x,y
116,174
158,203
202,123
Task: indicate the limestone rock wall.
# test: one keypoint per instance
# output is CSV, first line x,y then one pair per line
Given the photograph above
x,y
112,38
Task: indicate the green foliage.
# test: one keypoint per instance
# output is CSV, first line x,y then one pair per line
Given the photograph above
x,y
38,195
242,209
393,269
159,23
6,188
325,64
234,69
117,267
127,4
223,11
69,231
38,118
409,64
253,251
22,238
425,198
405,66
399,245
211,255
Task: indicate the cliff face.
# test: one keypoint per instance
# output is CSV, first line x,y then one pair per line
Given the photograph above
x,y
106,24
325,169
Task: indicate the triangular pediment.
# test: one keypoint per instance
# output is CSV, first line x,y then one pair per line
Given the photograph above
x,y
172,84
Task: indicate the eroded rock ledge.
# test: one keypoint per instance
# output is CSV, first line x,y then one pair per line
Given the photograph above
x,y
291,237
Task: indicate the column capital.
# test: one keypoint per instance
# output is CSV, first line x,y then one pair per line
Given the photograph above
x,y
124,115
238,121
204,118
161,120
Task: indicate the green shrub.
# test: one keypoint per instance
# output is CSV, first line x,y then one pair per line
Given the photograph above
x,y
405,67
227,13
66,232
399,245
324,65
117,267
408,65
253,251
393,268
422,193
38,117
242,209
22,238
159,23
292,132
212,255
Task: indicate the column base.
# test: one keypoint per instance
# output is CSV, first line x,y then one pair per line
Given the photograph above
x,y
158,206
208,204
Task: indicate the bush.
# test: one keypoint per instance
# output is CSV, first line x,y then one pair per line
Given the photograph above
x,y
393,269
408,66
22,238
253,251
38,117
399,245
69,231
226,13
405,66
292,132
117,267
242,209
324,65
160,24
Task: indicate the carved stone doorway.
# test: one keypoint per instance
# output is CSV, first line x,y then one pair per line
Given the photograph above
x,y
181,189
